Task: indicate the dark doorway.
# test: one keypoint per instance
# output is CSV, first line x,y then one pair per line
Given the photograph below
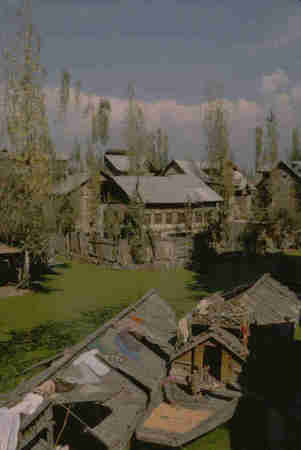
x,y
212,358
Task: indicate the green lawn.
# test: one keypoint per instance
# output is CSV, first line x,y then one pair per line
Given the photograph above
x,y
79,297
83,287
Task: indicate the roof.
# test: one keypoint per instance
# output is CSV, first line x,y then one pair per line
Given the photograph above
x,y
119,162
287,165
174,189
8,249
268,301
120,388
222,336
71,183
189,167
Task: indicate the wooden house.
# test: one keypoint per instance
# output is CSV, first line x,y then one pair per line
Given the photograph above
x,y
218,350
285,190
173,204
243,189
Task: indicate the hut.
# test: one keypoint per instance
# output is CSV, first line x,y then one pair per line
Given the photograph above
x,y
11,263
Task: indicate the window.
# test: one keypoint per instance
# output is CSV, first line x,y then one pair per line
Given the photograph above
x,y
158,219
181,217
169,218
198,217
147,219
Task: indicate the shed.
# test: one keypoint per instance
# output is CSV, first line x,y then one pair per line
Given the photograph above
x,y
215,348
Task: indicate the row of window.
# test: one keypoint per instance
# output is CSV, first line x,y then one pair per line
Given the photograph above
x,y
170,218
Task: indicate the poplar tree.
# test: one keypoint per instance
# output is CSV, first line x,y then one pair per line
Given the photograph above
x,y
29,213
295,154
258,146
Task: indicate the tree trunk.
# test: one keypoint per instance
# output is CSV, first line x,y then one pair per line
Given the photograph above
x,y
26,271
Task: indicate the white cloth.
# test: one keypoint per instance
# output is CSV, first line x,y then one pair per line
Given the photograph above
x,y
28,405
89,359
10,420
183,328
9,428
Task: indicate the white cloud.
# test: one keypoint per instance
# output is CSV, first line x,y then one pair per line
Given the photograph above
x,y
274,82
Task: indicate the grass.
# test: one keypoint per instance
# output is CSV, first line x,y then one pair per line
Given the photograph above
x,y
82,287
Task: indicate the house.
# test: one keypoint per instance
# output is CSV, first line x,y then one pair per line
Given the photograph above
x,y
288,181
219,350
241,201
168,200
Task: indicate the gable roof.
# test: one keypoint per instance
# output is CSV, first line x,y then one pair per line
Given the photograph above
x,y
265,302
289,166
71,183
187,167
268,301
222,336
174,189
119,162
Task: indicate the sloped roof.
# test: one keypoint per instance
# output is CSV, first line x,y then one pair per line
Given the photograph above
x,y
219,334
172,189
119,162
268,301
71,183
287,165
190,167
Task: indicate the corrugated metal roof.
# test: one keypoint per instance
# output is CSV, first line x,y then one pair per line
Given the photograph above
x,y
171,189
71,183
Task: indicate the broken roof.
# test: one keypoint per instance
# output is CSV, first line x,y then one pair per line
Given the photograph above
x,y
179,189
268,301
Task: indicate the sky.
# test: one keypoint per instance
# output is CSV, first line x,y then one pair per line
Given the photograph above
x,y
171,49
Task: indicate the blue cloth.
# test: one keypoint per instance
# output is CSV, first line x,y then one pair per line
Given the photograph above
x,y
125,350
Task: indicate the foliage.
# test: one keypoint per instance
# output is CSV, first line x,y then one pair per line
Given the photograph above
x,y
271,151
26,205
295,154
259,146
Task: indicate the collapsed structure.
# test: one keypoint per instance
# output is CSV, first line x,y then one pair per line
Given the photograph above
x,y
144,374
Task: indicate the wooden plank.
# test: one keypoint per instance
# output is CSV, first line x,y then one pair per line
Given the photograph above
x,y
199,356
226,368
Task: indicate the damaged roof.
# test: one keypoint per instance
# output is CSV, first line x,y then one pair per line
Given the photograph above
x,y
268,301
172,189
131,363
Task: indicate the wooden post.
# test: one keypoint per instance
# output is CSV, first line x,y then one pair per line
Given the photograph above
x,y
226,366
199,357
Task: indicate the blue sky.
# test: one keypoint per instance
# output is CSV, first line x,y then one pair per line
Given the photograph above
x,y
170,49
